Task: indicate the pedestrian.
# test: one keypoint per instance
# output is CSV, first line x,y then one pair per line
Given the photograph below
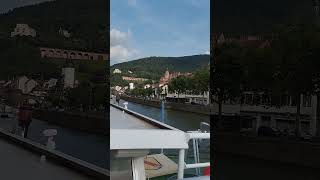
x,y
118,98
25,118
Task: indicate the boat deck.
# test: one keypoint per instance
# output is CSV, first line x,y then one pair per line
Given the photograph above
x,y
120,120
130,130
17,163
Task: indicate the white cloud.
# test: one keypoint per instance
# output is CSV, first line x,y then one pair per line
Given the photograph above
x,y
207,52
120,50
119,38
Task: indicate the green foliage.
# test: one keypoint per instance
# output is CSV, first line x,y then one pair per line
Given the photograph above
x,y
198,83
179,85
154,67
116,80
86,20
19,57
141,92
228,72
289,67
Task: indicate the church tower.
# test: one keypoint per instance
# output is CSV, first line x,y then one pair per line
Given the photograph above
x,y
167,74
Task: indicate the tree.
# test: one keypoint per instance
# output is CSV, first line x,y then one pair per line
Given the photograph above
x,y
200,81
298,48
178,85
228,75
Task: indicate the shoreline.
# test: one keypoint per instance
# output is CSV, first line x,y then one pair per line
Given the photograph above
x,y
198,109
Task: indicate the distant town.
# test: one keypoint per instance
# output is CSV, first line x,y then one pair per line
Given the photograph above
x,y
172,86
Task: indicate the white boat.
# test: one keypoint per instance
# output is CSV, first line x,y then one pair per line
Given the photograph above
x,y
134,138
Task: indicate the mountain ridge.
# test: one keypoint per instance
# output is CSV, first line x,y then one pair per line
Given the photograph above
x,y
154,67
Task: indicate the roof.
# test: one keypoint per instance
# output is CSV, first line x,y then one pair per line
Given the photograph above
x,y
131,130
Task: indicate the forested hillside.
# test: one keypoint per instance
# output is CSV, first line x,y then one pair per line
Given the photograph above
x,y
87,21
154,67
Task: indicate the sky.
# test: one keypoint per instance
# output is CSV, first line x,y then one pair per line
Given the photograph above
x,y
6,5
169,28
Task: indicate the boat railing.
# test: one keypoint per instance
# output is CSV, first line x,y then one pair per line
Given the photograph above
x,y
195,136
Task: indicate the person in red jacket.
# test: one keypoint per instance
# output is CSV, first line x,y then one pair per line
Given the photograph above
x,y
25,118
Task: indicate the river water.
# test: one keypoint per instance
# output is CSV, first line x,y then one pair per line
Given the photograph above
x,y
185,121
226,166
82,145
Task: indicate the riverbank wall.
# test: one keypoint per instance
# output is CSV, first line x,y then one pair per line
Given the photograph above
x,y
94,122
199,109
285,151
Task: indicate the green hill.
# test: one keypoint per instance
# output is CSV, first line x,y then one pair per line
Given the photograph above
x,y
87,21
154,67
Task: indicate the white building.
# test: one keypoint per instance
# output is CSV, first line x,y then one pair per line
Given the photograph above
x,y
256,111
23,30
164,89
50,83
29,86
64,33
39,93
202,99
8,83
25,84
68,74
20,82
118,88
131,86
117,71
146,86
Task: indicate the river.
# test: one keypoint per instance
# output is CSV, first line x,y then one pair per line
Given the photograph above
x,y
185,121
226,166
82,145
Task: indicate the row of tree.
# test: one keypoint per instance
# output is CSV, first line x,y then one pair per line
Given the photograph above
x,y
198,83
289,66
141,92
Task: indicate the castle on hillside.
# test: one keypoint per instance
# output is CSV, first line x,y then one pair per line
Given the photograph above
x,y
245,40
169,76
71,54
